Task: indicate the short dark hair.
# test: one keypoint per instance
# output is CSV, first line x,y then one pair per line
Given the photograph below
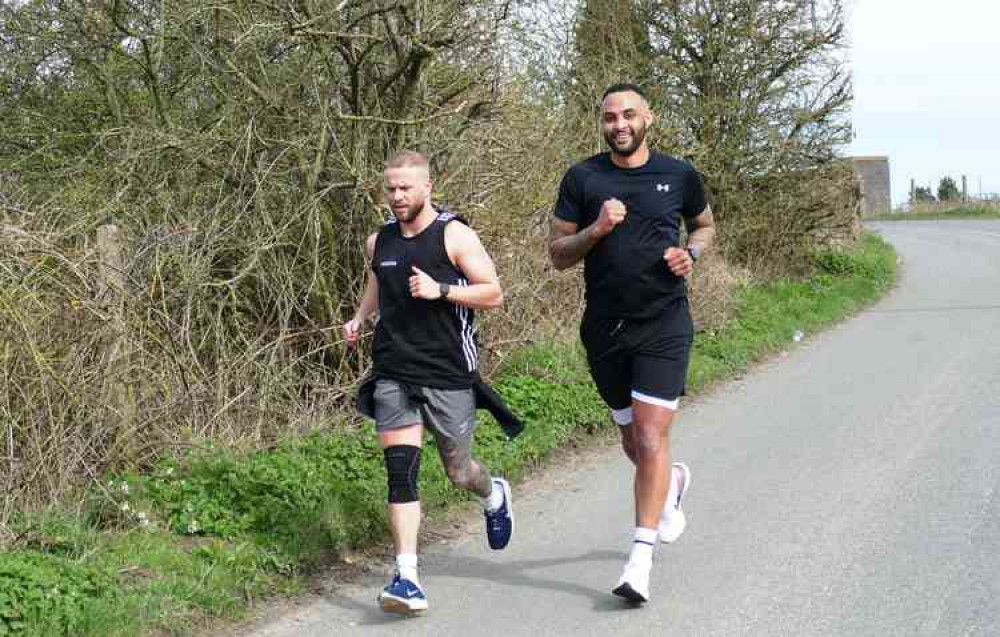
x,y
623,87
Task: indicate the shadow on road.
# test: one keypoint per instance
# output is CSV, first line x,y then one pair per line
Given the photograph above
x,y
514,574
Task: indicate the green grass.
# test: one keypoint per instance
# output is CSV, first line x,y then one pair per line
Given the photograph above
x,y
768,316
959,212
200,537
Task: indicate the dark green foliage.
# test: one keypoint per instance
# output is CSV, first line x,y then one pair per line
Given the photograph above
x,y
923,195
50,595
948,190
321,491
327,490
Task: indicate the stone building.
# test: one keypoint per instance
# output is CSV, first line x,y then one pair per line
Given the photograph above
x,y
873,173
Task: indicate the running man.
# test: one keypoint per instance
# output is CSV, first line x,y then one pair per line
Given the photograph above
x,y
620,212
429,273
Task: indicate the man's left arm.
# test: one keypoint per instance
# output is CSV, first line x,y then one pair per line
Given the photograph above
x,y
701,233
466,251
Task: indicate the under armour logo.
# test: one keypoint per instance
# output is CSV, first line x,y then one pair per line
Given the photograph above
x,y
662,187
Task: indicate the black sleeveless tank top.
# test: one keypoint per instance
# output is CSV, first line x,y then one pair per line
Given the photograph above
x,y
425,343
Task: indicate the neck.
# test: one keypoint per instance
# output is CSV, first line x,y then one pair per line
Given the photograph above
x,y
417,225
635,160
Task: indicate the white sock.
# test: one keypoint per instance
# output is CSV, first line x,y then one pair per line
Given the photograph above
x,y
643,545
406,564
493,501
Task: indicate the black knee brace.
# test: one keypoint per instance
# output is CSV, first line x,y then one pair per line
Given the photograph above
x,y
402,464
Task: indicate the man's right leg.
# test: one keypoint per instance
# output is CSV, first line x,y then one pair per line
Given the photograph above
x,y
658,364
400,435
401,448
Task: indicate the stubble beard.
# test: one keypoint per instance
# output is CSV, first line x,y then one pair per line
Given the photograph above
x,y
638,135
410,213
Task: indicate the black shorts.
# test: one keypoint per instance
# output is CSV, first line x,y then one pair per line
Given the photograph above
x,y
648,356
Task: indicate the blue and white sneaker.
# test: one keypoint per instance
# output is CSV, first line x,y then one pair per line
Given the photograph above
x,y
500,523
402,596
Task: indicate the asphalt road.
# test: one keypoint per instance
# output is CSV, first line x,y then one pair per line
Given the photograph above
x,y
848,487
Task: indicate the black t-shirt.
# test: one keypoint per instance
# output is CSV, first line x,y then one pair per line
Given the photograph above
x,y
426,343
625,273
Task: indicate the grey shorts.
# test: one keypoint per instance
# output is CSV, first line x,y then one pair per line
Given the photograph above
x,y
448,413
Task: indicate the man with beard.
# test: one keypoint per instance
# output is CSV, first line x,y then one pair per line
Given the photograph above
x,y
429,273
620,212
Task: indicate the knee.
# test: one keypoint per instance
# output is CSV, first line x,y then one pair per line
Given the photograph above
x,y
402,464
649,444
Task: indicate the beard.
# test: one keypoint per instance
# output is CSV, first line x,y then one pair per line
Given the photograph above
x,y
638,135
409,213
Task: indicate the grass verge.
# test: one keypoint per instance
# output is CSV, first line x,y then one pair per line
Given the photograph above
x,y
203,536
936,213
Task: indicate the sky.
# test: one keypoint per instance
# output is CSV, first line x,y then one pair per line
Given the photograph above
x,y
927,90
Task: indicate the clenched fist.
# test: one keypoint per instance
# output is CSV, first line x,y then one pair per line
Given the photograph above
x,y
612,213
352,332
422,286
679,261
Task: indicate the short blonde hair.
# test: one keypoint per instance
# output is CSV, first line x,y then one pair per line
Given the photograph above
x,y
406,159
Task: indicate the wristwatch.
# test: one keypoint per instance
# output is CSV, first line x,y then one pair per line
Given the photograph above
x,y
693,253
445,288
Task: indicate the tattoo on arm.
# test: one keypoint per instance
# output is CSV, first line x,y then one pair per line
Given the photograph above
x,y
701,230
567,245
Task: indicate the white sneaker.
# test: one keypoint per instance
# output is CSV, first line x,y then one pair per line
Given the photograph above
x,y
633,585
672,520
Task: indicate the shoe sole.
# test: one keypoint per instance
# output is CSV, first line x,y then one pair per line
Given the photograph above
x,y
398,606
510,511
625,591
686,471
